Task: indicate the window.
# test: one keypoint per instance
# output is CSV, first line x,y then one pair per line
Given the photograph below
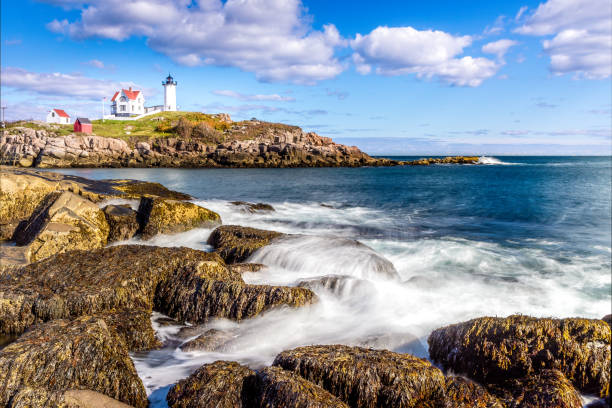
x,y
122,108
53,114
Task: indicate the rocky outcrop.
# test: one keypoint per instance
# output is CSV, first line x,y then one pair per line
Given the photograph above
x,y
122,222
368,378
183,283
162,216
221,384
253,207
134,326
62,355
210,340
41,397
281,388
235,244
446,160
251,144
62,222
464,393
545,389
493,350
246,267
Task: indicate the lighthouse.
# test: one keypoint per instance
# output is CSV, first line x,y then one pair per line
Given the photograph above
x,y
169,93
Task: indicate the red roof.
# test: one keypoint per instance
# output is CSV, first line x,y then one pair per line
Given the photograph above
x,y
128,92
61,113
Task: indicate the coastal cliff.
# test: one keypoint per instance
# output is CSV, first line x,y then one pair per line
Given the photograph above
x,y
191,140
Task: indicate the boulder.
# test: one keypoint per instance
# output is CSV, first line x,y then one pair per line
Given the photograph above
x,y
464,393
607,319
134,326
235,243
122,222
61,355
62,222
545,389
221,384
41,397
493,350
281,388
210,340
162,216
253,207
368,378
20,194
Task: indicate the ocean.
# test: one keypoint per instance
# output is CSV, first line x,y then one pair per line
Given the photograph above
x,y
528,235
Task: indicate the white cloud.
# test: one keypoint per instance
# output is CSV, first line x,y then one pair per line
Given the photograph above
x,y
428,54
582,36
58,84
499,47
271,38
255,97
95,63
520,13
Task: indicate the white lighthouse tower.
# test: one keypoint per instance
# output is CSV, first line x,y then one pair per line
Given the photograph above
x,y
169,94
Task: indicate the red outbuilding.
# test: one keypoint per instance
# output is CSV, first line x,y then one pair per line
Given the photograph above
x,y
82,125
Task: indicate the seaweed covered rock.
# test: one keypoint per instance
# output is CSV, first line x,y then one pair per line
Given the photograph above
x,y
235,243
464,393
445,160
281,388
493,350
134,326
185,284
221,384
368,378
62,222
61,355
545,389
162,216
210,340
89,282
200,300
122,222
253,207
607,319
246,267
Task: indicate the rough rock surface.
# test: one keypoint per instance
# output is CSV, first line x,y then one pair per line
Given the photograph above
x,y
270,146
246,267
221,384
210,340
62,222
464,393
61,355
281,388
253,207
41,397
134,326
122,222
183,283
546,389
161,216
235,243
368,378
493,350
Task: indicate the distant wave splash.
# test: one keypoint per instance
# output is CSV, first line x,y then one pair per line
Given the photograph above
x,y
492,161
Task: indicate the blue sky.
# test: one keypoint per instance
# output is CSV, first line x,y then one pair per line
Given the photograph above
x,y
436,77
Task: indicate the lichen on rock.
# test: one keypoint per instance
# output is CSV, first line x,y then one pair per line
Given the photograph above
x,y
122,222
162,216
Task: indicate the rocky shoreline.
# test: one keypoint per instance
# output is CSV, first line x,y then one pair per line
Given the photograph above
x,y
26,147
72,308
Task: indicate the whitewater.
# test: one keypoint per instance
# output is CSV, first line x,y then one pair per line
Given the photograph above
x,y
393,254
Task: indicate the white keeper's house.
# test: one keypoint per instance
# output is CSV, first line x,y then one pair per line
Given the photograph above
x,y
58,116
128,104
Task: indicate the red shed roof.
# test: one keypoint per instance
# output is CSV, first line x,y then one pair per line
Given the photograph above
x,y
61,113
128,92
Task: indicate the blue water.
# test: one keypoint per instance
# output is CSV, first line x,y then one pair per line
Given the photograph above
x,y
527,235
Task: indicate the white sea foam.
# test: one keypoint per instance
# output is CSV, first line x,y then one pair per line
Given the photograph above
x,y
493,161
440,281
